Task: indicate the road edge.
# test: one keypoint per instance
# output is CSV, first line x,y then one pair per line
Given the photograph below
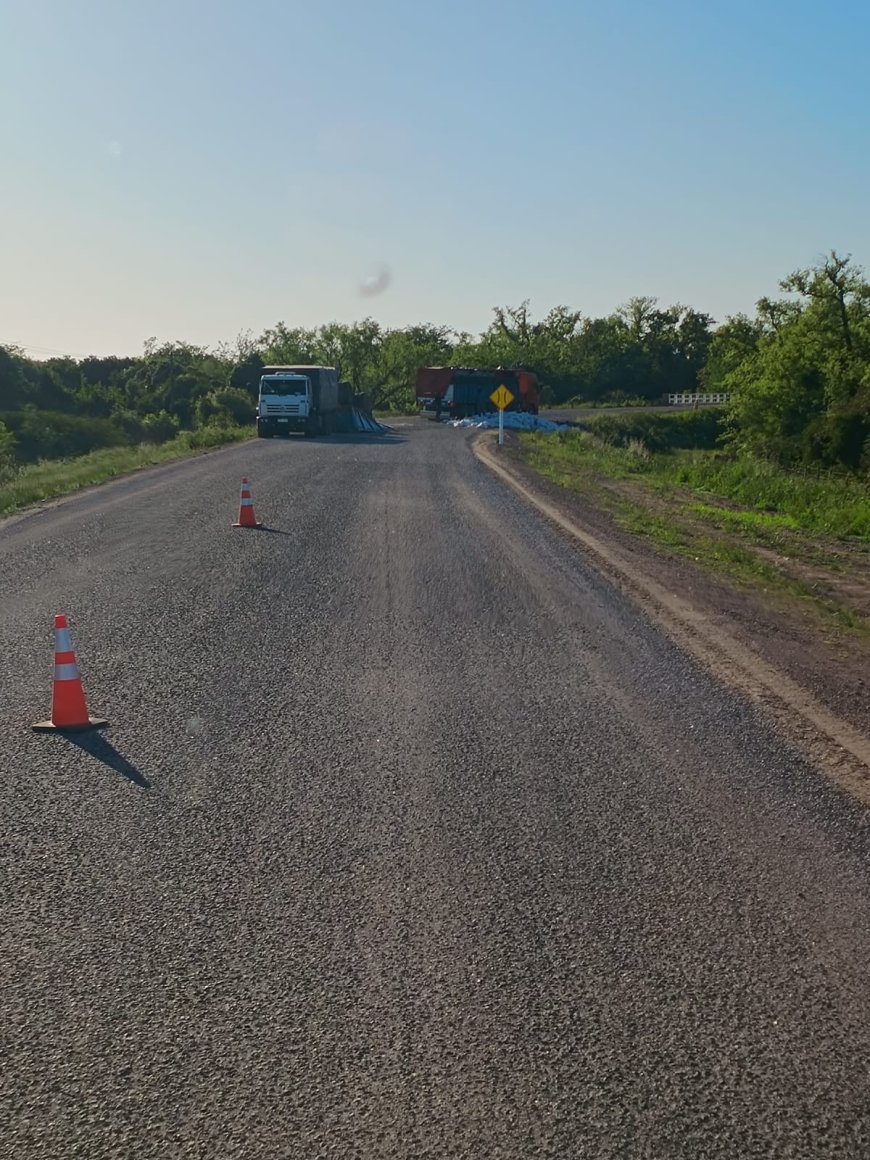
x,y
838,747
42,505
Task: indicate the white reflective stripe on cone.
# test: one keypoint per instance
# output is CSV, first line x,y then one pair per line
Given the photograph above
x,y
62,642
246,503
66,672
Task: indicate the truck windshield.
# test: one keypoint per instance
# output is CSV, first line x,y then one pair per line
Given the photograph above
x,y
283,386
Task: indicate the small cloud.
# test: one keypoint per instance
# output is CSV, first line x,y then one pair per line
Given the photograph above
x,y
375,283
115,148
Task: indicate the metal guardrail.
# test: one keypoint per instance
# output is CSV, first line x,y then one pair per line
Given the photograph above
x,y
690,400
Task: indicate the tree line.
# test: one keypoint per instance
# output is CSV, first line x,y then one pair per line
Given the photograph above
x,y
798,372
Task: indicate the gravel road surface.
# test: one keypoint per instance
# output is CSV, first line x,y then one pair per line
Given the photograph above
x,y
409,838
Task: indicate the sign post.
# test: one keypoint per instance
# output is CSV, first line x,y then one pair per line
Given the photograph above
x,y
501,398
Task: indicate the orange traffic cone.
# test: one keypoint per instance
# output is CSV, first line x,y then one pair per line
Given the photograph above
x,y
68,708
246,509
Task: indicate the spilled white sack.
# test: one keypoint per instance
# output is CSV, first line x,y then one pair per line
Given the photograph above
x,y
513,421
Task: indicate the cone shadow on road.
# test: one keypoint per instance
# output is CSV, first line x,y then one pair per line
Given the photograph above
x,y
272,531
98,747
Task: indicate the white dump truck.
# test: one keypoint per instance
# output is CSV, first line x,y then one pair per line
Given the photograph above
x,y
298,398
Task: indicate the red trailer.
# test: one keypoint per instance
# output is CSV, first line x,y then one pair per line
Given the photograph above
x,y
464,391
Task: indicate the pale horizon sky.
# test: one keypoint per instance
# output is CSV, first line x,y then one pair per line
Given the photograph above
x,y
199,168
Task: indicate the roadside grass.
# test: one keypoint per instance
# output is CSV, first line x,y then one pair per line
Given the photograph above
x,y
828,505
732,559
770,497
755,522
50,478
574,457
765,526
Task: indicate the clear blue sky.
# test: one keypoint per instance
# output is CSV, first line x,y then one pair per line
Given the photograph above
x,y
190,169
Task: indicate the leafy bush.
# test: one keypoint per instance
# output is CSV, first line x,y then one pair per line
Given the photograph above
x,y
231,407
681,431
54,435
158,427
838,439
7,454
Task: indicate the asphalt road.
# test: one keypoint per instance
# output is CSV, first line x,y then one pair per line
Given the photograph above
x,y
409,838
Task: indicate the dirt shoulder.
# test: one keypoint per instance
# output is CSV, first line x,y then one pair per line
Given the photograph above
x,y
812,676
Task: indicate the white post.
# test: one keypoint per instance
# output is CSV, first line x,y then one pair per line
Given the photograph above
x,y
501,426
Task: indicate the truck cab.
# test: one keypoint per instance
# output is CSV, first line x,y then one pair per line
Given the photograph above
x,y
284,404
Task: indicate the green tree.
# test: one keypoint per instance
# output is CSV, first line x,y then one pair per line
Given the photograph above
x,y
401,353
352,350
16,388
172,377
802,393
7,454
730,344
227,407
514,339
665,348
283,345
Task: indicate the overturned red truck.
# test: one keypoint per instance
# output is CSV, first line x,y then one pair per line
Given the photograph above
x,y
460,391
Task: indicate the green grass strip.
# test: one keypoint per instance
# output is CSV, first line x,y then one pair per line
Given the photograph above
x,y
836,506
50,478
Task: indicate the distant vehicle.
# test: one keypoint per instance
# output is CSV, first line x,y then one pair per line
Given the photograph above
x,y
297,398
464,391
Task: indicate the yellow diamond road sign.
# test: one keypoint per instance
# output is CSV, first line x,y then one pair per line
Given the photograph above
x,y
501,397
